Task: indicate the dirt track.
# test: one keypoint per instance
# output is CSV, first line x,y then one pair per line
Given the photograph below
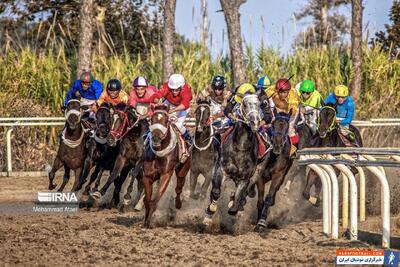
x,y
108,237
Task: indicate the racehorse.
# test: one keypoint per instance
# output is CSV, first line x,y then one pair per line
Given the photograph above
x,y
127,130
204,152
239,156
162,158
275,168
71,152
329,136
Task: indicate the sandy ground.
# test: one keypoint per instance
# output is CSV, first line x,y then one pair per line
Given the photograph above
x,y
177,237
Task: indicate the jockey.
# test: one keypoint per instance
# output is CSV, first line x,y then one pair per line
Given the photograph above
x,y
112,95
310,103
218,94
141,94
235,100
177,94
285,99
345,109
87,88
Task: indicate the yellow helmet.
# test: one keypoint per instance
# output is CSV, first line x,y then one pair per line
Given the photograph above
x,y
341,91
243,89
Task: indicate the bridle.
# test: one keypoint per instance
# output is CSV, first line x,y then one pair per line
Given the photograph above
x,y
69,112
332,125
125,127
280,133
208,123
159,126
245,115
164,130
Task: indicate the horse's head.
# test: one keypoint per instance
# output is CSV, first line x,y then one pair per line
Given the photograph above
x,y
73,113
104,120
280,128
160,123
203,115
326,121
124,118
250,109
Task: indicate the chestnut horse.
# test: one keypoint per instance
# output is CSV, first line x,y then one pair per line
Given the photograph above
x,y
162,158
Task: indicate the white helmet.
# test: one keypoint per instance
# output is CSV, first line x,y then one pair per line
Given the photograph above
x,y
298,87
175,81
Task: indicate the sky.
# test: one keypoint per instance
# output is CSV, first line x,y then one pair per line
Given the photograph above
x,y
279,29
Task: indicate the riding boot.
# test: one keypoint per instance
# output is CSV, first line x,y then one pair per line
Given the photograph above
x,y
187,137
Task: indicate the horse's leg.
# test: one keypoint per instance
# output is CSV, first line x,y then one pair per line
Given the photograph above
x,y
93,177
78,173
139,188
206,184
194,174
56,166
276,182
260,196
240,196
119,165
87,166
65,178
134,175
98,180
312,179
216,188
164,181
148,190
118,185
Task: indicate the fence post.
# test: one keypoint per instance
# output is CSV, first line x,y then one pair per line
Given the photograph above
x,y
9,159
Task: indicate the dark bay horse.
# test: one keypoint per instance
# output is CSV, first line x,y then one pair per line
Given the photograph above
x,y
71,152
205,150
328,136
100,153
127,130
239,157
275,168
162,158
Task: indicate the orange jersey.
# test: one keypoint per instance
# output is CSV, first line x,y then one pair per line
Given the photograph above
x,y
104,97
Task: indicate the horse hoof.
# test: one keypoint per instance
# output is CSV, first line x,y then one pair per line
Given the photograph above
x,y
212,208
251,192
313,200
207,220
178,203
84,197
232,212
126,201
96,195
52,186
194,196
261,223
230,204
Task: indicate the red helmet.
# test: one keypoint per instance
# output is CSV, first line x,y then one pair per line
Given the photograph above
x,y
282,85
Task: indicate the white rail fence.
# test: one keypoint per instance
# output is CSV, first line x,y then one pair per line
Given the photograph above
x,y
322,161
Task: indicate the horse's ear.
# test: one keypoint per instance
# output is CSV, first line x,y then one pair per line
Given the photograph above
x,y
291,112
111,110
166,107
63,108
132,114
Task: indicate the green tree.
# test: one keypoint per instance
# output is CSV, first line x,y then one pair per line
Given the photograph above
x,y
328,26
390,38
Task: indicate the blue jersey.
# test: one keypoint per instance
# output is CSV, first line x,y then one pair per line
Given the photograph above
x,y
92,93
345,111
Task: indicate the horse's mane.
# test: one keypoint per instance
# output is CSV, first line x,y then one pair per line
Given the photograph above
x,y
121,106
203,102
161,107
106,105
331,105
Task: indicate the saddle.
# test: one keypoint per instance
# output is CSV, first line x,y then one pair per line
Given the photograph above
x,y
263,144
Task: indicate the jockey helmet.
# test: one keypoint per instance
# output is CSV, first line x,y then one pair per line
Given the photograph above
x,y
341,91
307,86
114,85
242,90
176,81
282,85
218,83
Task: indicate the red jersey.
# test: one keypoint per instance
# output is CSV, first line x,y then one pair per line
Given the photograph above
x,y
147,98
183,98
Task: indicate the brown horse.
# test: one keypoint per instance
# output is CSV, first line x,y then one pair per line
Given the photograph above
x,y
71,152
162,157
